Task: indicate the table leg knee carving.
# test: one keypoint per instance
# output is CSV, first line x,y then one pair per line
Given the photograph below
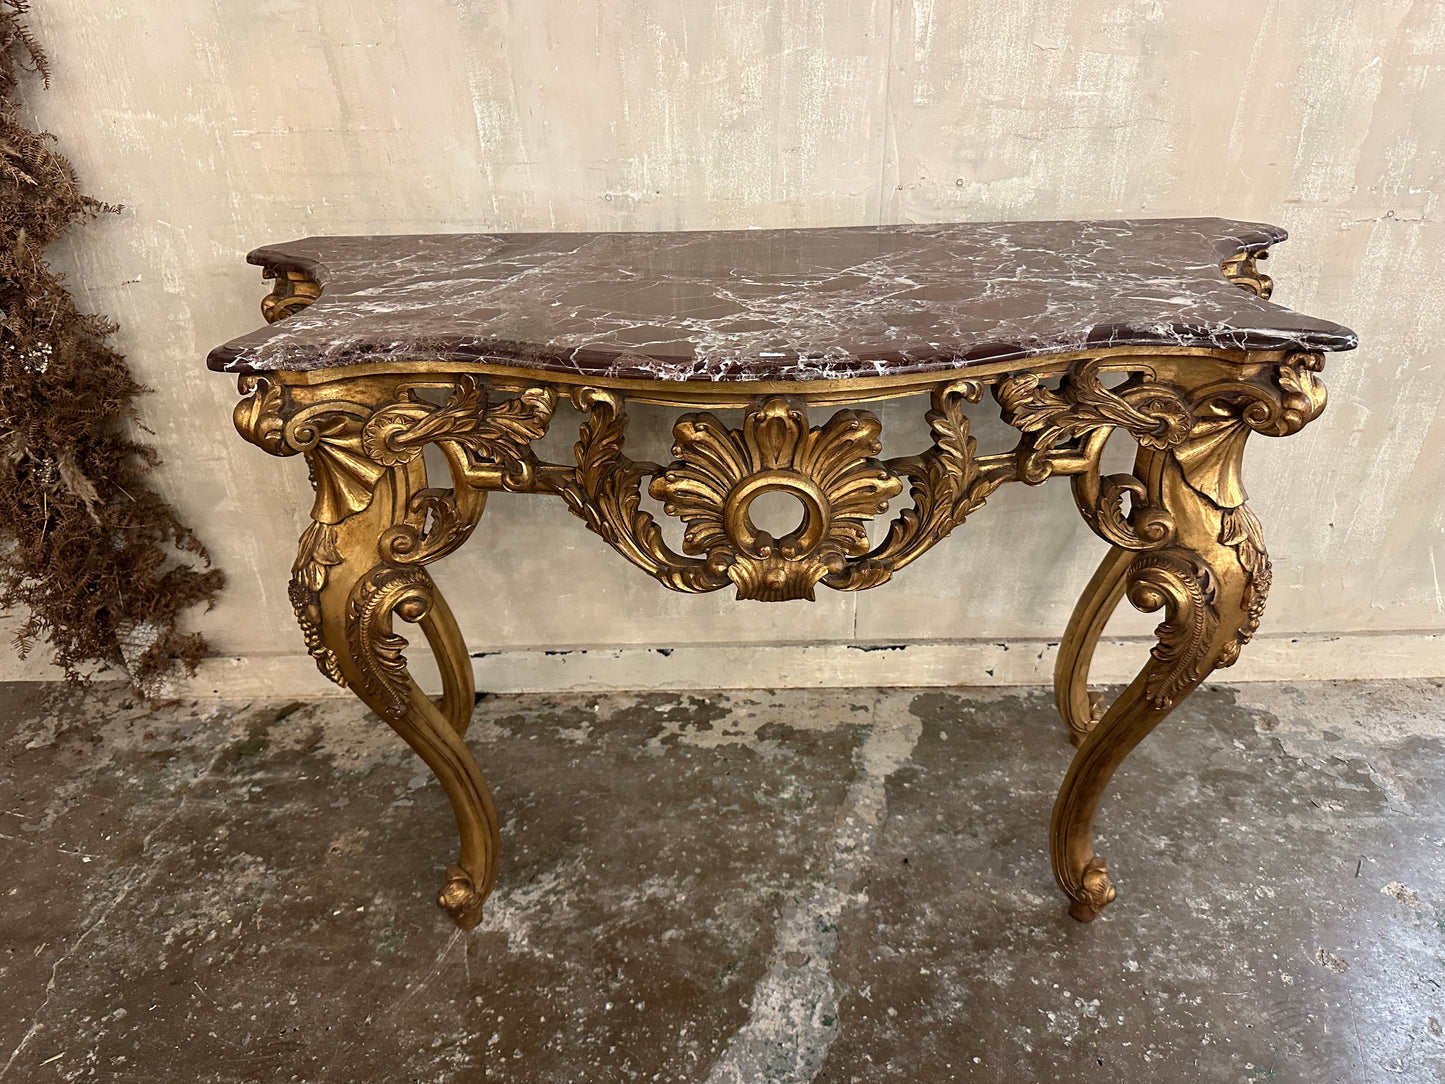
x,y
1190,546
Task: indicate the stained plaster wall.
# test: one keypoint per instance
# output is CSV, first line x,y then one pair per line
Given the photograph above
x,y
221,126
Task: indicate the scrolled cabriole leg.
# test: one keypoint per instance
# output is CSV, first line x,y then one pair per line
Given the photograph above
x,y
360,564
358,609
1206,568
1201,591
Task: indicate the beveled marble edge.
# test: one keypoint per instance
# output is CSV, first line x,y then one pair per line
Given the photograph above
x,y
618,364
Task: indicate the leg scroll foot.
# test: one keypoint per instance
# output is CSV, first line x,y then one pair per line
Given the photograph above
x,y
1096,891
461,899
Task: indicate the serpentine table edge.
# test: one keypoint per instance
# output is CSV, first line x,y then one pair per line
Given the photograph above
x,y
1181,537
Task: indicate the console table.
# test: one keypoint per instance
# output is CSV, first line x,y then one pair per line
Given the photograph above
x,y
1160,330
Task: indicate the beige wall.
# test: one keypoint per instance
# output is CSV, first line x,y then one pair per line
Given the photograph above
x,y
222,125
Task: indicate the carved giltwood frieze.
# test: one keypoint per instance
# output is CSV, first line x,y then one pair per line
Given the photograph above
x,y
352,440
605,492
831,470
1155,414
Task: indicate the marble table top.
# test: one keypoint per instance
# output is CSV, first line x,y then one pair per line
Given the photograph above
x,y
746,305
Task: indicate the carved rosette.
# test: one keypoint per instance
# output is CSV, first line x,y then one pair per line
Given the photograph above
x,y
830,470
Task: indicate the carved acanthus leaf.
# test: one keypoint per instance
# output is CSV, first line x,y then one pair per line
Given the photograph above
x,y
375,649
605,492
946,486
1178,581
257,416
830,470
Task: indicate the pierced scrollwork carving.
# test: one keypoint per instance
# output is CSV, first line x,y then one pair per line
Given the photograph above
x,y
376,650
486,446
830,469
948,484
493,433
1156,415
1100,498
606,493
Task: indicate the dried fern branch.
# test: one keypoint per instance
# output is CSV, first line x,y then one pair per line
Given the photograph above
x,y
99,560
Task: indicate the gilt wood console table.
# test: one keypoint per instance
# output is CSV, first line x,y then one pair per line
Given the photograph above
x,y
1160,330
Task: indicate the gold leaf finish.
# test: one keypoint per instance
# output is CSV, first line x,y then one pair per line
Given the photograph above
x,y
316,553
292,292
375,648
1181,537
830,470
1243,270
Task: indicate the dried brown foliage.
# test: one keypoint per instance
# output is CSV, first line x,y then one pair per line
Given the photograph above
x,y
100,560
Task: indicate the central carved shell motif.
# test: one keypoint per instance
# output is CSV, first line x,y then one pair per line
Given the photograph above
x,y
830,470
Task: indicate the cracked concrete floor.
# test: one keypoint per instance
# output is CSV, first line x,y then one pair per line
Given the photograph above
x,y
834,886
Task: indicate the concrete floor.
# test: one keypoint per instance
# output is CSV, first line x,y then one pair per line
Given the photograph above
x,y
828,886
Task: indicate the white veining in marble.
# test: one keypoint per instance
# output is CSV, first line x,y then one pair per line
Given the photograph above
x,y
774,304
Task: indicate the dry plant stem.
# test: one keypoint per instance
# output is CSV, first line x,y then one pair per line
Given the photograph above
x,y
101,562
